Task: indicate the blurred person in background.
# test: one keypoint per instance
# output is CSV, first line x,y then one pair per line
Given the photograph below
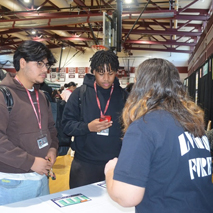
x,y
65,94
56,95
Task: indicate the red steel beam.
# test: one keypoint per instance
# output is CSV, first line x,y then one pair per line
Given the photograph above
x,y
160,50
124,31
40,15
169,42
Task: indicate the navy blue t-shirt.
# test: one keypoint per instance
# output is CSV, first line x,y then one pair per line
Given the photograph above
x,y
172,166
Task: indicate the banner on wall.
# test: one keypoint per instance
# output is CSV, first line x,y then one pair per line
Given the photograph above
x,y
205,68
53,75
81,72
71,72
121,73
185,83
62,75
124,81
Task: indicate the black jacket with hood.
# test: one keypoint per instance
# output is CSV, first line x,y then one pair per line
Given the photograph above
x,y
89,146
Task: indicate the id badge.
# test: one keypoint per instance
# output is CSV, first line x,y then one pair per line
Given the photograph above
x,y
42,141
104,132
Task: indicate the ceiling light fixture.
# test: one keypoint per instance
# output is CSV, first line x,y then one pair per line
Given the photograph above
x,y
128,1
27,1
69,1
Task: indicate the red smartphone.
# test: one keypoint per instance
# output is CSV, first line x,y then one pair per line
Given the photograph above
x,y
105,117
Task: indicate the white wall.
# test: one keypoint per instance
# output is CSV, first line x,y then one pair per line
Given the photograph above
x,y
82,60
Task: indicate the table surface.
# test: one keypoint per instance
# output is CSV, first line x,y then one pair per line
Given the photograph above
x,y
100,202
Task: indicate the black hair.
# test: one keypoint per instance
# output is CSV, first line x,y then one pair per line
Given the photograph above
x,y
32,51
129,87
101,58
70,84
54,93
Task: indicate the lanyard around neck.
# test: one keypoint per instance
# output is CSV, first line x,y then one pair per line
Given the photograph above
x,y
98,101
38,115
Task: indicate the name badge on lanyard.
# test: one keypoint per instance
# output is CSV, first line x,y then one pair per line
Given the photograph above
x,y
104,132
42,139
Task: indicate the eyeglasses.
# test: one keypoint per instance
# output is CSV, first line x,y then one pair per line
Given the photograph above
x,y
41,64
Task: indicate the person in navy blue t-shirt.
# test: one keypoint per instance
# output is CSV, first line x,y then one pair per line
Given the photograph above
x,y
165,163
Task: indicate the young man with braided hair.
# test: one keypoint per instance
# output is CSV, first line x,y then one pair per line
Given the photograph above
x,y
97,138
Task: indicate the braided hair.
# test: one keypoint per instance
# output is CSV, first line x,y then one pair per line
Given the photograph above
x,y
101,58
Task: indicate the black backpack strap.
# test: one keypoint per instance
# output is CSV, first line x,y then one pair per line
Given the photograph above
x,y
83,89
64,140
7,97
125,95
47,97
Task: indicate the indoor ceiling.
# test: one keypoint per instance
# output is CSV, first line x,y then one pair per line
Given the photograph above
x,y
147,25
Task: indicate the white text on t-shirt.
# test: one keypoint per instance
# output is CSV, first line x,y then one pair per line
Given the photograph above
x,y
201,166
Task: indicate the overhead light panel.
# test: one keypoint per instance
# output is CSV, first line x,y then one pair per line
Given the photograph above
x,y
69,1
27,1
128,1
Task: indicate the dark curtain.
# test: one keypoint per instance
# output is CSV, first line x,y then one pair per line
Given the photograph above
x,y
205,95
204,91
191,85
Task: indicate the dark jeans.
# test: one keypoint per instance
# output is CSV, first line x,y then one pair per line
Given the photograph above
x,y
83,173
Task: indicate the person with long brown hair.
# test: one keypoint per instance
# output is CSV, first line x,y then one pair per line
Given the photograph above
x,y
165,163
